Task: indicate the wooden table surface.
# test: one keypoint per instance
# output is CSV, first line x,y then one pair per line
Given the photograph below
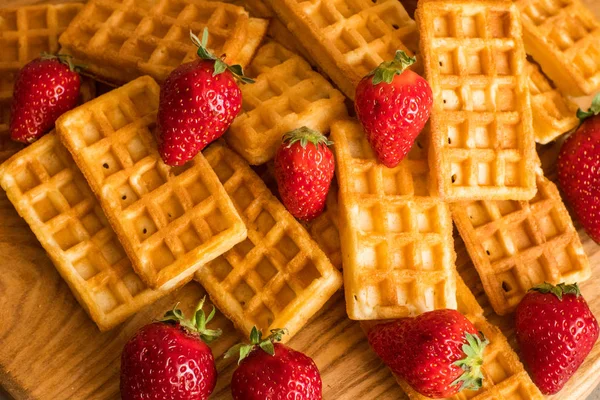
x,y
50,349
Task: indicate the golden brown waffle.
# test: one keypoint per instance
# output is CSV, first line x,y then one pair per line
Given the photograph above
x,y
482,136
278,277
170,221
286,95
349,38
51,194
256,8
516,245
553,114
396,238
122,40
564,37
26,32
325,229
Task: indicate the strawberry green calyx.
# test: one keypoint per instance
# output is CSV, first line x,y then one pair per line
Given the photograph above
x,y
220,65
305,135
558,290
197,324
386,71
244,349
472,378
593,110
63,58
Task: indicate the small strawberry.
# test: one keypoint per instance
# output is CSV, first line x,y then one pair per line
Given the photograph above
x,y
438,353
393,104
556,331
170,359
269,370
45,88
198,102
579,170
304,168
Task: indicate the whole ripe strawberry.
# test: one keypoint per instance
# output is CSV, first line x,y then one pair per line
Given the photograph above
x,y
556,331
45,88
579,170
268,370
438,353
170,359
393,105
304,168
198,102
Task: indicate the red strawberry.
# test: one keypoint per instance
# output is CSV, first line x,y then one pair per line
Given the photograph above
x,y
45,88
555,330
269,370
393,104
304,168
579,170
438,353
198,102
170,359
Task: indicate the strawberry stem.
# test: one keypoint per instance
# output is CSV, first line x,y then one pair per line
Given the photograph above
x,y
472,378
305,135
593,110
66,59
386,71
266,344
558,290
198,322
220,65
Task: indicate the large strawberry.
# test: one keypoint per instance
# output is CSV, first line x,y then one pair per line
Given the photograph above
x,y
555,330
198,102
269,370
170,359
579,170
304,168
45,88
438,353
393,104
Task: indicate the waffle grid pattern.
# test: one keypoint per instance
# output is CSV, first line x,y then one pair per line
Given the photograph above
x,y
287,94
122,40
396,239
325,229
483,142
277,277
516,245
169,220
53,197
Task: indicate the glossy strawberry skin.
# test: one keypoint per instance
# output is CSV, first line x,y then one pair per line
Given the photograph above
x,y
579,175
393,114
422,350
288,374
164,361
304,175
44,90
554,337
195,109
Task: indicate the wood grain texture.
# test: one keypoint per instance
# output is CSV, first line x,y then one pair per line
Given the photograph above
x,y
50,349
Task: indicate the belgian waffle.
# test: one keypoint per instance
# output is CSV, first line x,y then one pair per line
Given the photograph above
x,y
349,38
396,238
286,95
482,136
325,229
553,114
122,40
564,37
278,277
518,244
51,194
170,221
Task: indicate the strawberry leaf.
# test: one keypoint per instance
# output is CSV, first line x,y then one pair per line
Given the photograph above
x,y
472,378
197,324
268,347
558,290
305,135
593,110
386,71
256,341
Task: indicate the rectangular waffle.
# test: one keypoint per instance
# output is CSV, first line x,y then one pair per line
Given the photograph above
x,y
482,136
397,243
516,245
553,114
287,94
169,220
122,40
51,194
563,36
278,277
349,38
325,229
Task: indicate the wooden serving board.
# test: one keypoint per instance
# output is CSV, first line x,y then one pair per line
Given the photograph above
x,y
50,349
